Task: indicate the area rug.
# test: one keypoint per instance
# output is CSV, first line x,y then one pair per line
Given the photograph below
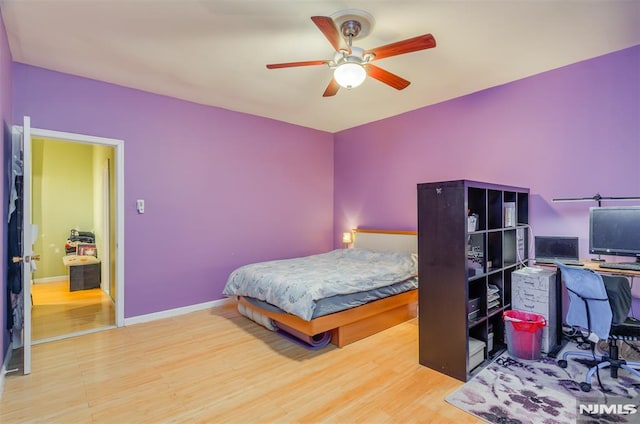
x,y
517,391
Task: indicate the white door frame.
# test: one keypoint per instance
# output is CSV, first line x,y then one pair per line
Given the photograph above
x,y
105,187
119,200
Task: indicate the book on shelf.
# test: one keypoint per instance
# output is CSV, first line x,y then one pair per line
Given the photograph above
x,y
492,297
493,304
473,316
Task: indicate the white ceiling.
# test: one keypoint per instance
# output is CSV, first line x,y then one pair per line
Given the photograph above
x,y
214,52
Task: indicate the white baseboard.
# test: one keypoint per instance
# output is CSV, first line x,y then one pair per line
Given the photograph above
x,y
175,312
50,279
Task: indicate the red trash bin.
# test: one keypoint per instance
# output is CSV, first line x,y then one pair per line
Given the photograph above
x,y
524,334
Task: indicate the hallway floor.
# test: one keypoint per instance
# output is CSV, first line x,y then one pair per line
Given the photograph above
x,y
58,311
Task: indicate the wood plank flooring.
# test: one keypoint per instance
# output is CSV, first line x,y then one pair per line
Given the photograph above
x,y
216,366
58,311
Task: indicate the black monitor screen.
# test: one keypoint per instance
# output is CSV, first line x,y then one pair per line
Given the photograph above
x,y
556,247
615,231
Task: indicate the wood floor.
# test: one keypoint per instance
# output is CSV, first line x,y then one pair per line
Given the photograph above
x,y
57,311
216,366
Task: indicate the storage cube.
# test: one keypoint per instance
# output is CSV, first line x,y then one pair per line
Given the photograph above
x,y
82,277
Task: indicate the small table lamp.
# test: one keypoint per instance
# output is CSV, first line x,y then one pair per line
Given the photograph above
x,y
347,238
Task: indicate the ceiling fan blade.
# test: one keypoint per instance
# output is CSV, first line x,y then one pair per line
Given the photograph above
x,y
414,44
328,28
293,64
331,89
386,77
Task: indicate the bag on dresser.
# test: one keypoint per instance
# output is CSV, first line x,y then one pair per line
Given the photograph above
x,y
82,236
76,237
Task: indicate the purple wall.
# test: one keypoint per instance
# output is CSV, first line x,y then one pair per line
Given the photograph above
x,y
221,188
224,188
5,118
570,132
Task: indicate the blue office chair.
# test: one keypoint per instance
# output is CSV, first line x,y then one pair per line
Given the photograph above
x,y
600,305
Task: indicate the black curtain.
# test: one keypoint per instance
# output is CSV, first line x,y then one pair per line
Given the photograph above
x,y
14,249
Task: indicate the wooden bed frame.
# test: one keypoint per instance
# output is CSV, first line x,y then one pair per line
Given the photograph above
x,y
357,323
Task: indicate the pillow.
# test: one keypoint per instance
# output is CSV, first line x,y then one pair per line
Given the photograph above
x,y
86,249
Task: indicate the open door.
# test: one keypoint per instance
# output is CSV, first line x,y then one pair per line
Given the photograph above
x,y
28,237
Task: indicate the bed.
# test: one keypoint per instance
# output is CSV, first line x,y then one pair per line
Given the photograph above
x,y
378,291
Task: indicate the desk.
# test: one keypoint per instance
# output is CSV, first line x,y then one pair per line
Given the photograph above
x,y
595,265
592,265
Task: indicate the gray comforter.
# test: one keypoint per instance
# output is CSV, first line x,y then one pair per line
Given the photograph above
x,y
295,285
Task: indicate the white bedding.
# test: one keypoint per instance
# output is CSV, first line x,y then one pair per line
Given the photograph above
x,y
295,285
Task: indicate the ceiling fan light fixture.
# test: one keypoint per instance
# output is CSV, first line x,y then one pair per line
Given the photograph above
x,y
351,65
349,74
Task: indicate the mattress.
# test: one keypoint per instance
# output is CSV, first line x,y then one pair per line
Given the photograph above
x,y
299,285
339,303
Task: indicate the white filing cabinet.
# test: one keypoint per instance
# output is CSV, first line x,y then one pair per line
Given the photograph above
x,y
534,290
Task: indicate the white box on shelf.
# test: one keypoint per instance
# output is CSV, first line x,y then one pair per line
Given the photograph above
x,y
472,223
520,243
509,214
476,352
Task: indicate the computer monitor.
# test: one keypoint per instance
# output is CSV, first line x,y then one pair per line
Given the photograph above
x,y
615,230
549,249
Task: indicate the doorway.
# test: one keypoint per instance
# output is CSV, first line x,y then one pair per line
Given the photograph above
x,y
71,193
22,174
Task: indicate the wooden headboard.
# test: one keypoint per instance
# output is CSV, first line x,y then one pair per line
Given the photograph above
x,y
386,240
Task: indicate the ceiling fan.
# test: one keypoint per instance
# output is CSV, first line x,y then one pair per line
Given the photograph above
x,y
351,64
